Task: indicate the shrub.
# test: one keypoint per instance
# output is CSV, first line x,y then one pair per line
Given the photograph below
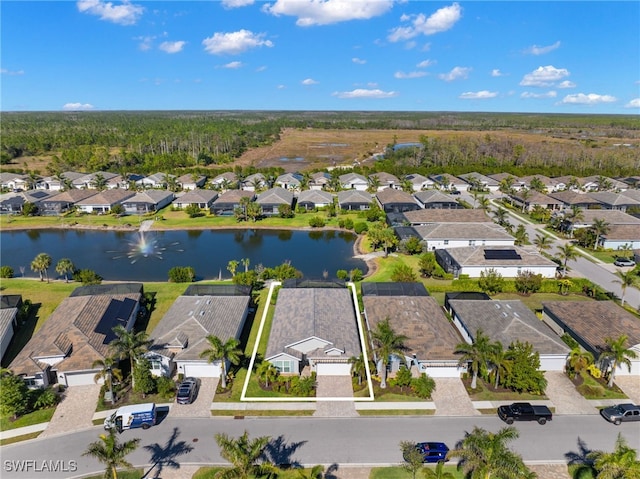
x,y
356,274
403,273
594,371
43,398
117,209
427,264
165,386
342,274
528,282
317,222
360,227
491,281
423,386
411,245
403,377
193,210
182,274
348,224
87,277
6,272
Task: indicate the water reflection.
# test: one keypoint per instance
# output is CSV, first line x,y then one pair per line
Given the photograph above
x,y
145,245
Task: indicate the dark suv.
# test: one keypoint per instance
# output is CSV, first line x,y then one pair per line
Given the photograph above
x,y
188,391
432,451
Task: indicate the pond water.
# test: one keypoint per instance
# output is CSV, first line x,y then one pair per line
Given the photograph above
x,y
133,256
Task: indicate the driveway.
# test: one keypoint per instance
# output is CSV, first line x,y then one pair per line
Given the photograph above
x,y
451,398
201,407
630,385
75,411
334,387
562,393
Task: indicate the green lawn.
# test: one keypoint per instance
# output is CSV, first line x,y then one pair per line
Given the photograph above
x,y
398,473
24,437
210,472
126,474
36,417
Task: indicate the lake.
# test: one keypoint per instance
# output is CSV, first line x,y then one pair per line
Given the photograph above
x,y
133,256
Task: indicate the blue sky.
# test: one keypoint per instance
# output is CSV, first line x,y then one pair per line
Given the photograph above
x,y
502,56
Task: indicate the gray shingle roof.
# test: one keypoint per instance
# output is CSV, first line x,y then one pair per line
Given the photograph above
x,y
462,231
447,216
475,256
275,196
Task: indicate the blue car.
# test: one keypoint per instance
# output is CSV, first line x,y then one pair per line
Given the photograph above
x,y
432,451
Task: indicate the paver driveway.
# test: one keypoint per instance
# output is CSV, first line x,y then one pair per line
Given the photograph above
x,y
334,387
75,411
562,393
201,407
451,399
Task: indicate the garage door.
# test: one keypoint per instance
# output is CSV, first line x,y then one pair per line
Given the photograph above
x,y
333,369
201,370
79,379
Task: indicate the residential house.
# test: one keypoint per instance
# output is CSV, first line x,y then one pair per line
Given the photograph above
x,y
50,183
77,334
311,199
202,198
13,181
516,183
602,183
550,184
191,181
10,305
384,180
615,201
529,199
64,201
449,182
354,200
254,182
571,198
509,321
567,183
620,237
436,199
480,182
181,335
419,182
435,215
315,328
273,199
611,217
319,180
12,203
157,180
228,201
103,201
148,201
396,201
88,181
505,260
289,181
590,323
431,340
354,181
224,181
459,235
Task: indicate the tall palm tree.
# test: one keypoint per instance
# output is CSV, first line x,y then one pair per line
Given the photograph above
x,y
622,463
500,216
245,455
266,372
600,227
500,361
386,343
64,267
484,455
111,452
617,354
129,344
484,203
358,366
543,242
223,352
108,372
474,355
41,263
626,279
567,252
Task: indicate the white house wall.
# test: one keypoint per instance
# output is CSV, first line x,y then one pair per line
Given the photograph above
x,y
549,362
333,369
615,245
441,371
447,244
510,272
82,378
199,369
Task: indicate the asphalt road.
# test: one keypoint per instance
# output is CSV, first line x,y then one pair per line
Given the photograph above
x,y
364,441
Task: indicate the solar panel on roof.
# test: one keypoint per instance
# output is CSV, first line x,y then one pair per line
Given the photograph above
x,y
501,254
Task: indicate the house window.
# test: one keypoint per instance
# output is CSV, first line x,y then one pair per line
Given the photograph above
x,y
156,365
31,383
446,242
283,366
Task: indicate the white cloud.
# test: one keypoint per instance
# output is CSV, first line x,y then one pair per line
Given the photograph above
x,y
124,14
309,81
544,76
588,99
236,3
426,63
365,93
455,74
478,95
4,71
77,106
404,76
261,68
536,50
233,65
234,43
496,73
172,47
281,87
635,103
359,61
566,84
326,12
549,94
441,21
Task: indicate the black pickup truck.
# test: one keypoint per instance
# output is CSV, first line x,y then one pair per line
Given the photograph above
x,y
523,411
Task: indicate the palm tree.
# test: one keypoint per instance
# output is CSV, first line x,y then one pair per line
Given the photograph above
x,y
579,359
474,355
64,267
386,343
267,372
622,463
521,235
438,472
543,242
617,354
99,182
574,215
485,454
500,216
232,267
484,203
223,352
111,452
566,252
374,183
600,227
626,279
316,472
108,372
129,344
244,455
500,361
536,184
41,264
358,366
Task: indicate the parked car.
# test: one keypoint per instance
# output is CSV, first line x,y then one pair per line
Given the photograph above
x,y
621,413
624,262
432,451
188,391
523,411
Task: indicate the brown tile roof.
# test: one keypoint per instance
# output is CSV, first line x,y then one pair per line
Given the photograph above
x,y
573,198
107,197
234,196
430,335
71,196
447,216
594,321
389,195
613,217
623,233
458,231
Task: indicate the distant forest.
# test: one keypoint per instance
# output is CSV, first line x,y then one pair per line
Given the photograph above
x,y
199,141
